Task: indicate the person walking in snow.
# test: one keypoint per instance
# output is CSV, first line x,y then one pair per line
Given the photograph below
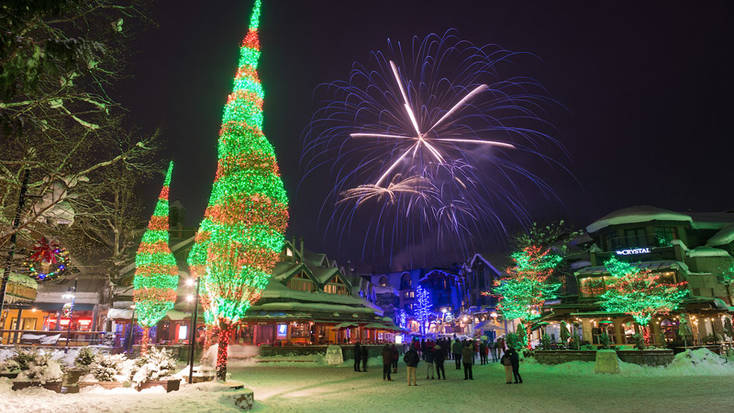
x,y
428,357
357,356
438,359
507,364
482,357
411,360
365,357
467,355
515,363
395,357
456,348
387,356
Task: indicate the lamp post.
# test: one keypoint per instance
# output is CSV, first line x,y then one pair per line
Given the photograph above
x,y
70,295
192,334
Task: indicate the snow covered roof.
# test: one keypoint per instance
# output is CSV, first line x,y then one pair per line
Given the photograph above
x,y
635,214
648,265
723,237
708,252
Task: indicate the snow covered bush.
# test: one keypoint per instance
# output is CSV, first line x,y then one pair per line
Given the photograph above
x,y
155,364
85,358
34,366
109,367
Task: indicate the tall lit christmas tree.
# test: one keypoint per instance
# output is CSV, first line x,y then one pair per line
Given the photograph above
x,y
156,273
239,240
640,293
423,307
526,287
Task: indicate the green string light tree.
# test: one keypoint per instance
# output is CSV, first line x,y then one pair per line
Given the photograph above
x,y
640,293
526,287
241,235
156,272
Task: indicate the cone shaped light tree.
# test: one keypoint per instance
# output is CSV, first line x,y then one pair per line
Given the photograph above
x,y
156,273
241,235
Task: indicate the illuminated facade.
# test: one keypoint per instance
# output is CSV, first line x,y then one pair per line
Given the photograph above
x,y
695,248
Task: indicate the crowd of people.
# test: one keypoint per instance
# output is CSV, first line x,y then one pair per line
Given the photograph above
x,y
434,353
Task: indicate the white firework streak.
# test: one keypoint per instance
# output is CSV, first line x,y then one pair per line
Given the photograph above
x,y
416,185
420,139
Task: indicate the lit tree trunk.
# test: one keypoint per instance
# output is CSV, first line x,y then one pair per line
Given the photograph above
x,y
144,340
646,334
225,332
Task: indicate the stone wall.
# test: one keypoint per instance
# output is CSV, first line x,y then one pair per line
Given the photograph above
x,y
564,356
645,357
347,350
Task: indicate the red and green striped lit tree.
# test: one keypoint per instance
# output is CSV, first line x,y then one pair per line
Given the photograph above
x,y
241,235
640,293
526,287
156,272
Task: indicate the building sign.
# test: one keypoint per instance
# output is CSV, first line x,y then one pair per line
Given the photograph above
x,y
633,251
282,331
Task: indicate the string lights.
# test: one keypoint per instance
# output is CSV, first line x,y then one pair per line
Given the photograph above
x,y
640,293
241,235
525,289
156,272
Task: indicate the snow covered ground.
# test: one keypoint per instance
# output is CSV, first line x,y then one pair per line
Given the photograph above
x,y
693,383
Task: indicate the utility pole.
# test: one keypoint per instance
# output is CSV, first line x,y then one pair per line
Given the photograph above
x,y
13,237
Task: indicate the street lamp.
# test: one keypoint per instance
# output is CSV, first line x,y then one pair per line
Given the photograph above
x,y
70,296
190,282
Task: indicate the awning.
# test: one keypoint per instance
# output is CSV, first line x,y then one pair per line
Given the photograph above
x,y
119,314
346,325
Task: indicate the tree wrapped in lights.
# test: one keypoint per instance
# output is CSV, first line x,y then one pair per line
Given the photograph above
x,y
526,287
239,240
156,272
640,293
423,308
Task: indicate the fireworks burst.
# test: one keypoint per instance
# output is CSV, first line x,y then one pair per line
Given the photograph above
x,y
428,142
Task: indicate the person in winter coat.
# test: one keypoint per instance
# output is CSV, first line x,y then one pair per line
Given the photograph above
x,y
438,358
428,357
515,363
395,357
456,349
467,356
365,357
411,360
387,356
482,355
357,356
507,364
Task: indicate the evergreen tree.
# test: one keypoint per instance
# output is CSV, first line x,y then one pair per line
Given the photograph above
x,y
156,272
241,235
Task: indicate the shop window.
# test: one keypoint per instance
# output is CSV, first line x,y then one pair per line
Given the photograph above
x,y
635,237
300,330
336,286
301,282
592,286
664,236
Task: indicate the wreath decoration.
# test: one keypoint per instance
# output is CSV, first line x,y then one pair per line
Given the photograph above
x,y
48,260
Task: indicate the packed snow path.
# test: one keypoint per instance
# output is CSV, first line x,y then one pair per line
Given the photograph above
x,y
568,389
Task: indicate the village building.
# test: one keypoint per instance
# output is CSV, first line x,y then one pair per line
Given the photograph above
x,y
695,248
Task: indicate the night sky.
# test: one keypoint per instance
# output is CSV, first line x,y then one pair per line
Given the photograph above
x,y
646,86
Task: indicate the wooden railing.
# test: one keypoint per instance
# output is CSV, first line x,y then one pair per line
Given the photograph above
x,y
32,337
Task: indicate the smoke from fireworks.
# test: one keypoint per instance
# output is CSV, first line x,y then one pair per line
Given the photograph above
x,y
428,142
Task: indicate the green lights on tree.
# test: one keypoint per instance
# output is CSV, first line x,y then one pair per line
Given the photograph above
x,y
640,293
241,235
526,287
156,272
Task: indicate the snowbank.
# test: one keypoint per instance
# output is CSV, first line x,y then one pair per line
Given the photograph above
x,y
700,362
